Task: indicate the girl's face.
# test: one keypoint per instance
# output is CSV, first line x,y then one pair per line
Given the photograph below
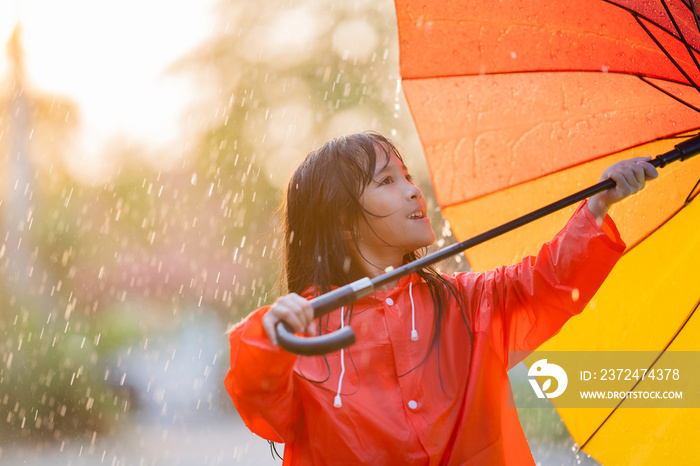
x,y
396,220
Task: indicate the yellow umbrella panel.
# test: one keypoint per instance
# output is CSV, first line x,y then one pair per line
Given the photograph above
x,y
648,304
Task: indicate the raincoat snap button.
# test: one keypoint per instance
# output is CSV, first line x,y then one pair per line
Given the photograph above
x,y
390,301
412,404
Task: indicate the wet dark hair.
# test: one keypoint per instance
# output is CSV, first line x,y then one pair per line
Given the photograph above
x,y
322,204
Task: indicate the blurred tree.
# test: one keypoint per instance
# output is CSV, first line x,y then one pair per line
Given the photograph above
x,y
285,79
278,80
48,384
112,264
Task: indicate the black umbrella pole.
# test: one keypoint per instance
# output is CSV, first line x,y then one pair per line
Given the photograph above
x,y
347,294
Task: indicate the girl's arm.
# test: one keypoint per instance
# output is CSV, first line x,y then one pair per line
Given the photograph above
x,y
524,305
260,380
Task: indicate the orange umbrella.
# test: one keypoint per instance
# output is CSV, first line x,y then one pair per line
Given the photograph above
x,y
520,102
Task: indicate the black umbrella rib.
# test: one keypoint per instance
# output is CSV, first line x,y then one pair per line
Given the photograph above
x,y
688,47
697,305
695,15
682,38
692,194
668,55
690,5
660,89
638,15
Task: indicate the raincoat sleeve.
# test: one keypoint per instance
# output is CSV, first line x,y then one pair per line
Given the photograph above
x,y
260,380
525,304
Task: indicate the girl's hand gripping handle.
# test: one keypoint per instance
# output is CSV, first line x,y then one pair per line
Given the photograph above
x,y
317,307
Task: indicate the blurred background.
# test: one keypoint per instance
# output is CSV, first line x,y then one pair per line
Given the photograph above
x,y
144,145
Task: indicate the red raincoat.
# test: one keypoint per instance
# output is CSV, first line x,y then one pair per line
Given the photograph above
x,y
399,407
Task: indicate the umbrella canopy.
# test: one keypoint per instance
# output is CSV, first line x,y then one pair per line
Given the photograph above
x,y
519,103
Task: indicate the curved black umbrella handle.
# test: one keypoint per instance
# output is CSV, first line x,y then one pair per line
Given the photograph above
x,y
322,305
314,346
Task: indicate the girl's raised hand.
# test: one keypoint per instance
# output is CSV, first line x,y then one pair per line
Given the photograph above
x,y
630,177
292,309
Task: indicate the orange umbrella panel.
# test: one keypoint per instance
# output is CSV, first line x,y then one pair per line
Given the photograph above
x,y
493,89
457,38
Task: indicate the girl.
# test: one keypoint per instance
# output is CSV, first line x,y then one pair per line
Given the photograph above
x,y
426,382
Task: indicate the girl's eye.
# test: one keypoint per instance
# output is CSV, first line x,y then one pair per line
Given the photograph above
x,y
386,180
409,178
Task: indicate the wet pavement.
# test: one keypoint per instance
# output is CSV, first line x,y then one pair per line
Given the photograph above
x,y
222,440
204,442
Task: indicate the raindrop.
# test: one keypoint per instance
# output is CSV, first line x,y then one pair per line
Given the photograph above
x,y
397,95
446,229
193,180
575,294
69,196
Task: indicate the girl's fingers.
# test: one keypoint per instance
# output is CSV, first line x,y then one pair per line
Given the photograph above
x,y
304,312
309,314
622,186
292,309
631,175
650,171
634,178
272,318
311,329
295,322
269,326
639,175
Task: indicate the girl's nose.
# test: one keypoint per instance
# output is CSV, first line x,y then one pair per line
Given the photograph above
x,y
413,192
